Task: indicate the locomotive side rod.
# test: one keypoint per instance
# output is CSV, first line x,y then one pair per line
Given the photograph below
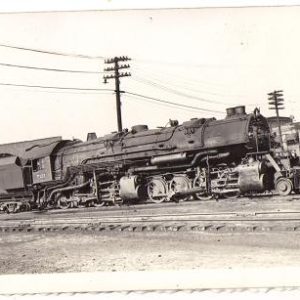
x,y
182,193
199,190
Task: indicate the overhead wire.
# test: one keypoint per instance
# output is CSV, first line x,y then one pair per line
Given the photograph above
x,y
188,86
111,90
180,64
73,92
141,80
54,87
49,69
176,76
185,87
157,103
51,52
162,85
179,93
173,103
60,53
92,72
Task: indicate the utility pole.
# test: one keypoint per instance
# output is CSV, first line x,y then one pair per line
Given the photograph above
x,y
117,75
276,103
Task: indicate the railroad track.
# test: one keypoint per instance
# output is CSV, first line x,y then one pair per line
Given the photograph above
x,y
206,206
207,222
266,199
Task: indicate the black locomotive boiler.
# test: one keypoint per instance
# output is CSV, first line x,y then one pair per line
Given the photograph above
x,y
200,158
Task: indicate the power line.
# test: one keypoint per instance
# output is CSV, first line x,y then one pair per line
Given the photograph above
x,y
185,87
180,64
176,92
157,103
54,87
49,69
164,87
173,103
177,75
51,52
86,93
110,90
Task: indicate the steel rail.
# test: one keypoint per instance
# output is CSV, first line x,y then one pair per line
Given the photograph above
x,y
132,214
289,220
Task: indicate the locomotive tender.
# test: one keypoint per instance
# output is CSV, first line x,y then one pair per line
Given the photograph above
x,y
200,158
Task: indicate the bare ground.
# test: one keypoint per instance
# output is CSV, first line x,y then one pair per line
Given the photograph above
x,y
126,251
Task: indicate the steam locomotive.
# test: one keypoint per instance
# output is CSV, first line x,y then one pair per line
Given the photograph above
x,y
200,158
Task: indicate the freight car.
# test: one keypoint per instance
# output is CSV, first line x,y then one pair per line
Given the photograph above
x,y
200,158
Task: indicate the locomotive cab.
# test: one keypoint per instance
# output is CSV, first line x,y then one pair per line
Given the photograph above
x,y
41,170
40,157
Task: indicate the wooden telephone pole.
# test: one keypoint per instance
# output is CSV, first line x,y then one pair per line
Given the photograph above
x,y
276,103
117,75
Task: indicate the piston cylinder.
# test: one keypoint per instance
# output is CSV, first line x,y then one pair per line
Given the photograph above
x,y
129,187
251,177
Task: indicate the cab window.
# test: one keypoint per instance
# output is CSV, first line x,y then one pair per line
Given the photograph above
x,y
38,164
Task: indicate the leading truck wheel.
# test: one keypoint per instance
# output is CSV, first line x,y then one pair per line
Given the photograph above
x,y
284,186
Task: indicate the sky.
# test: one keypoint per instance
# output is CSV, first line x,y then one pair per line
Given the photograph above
x,y
185,63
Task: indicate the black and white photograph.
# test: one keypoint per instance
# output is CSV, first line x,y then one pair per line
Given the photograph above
x,y
150,139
